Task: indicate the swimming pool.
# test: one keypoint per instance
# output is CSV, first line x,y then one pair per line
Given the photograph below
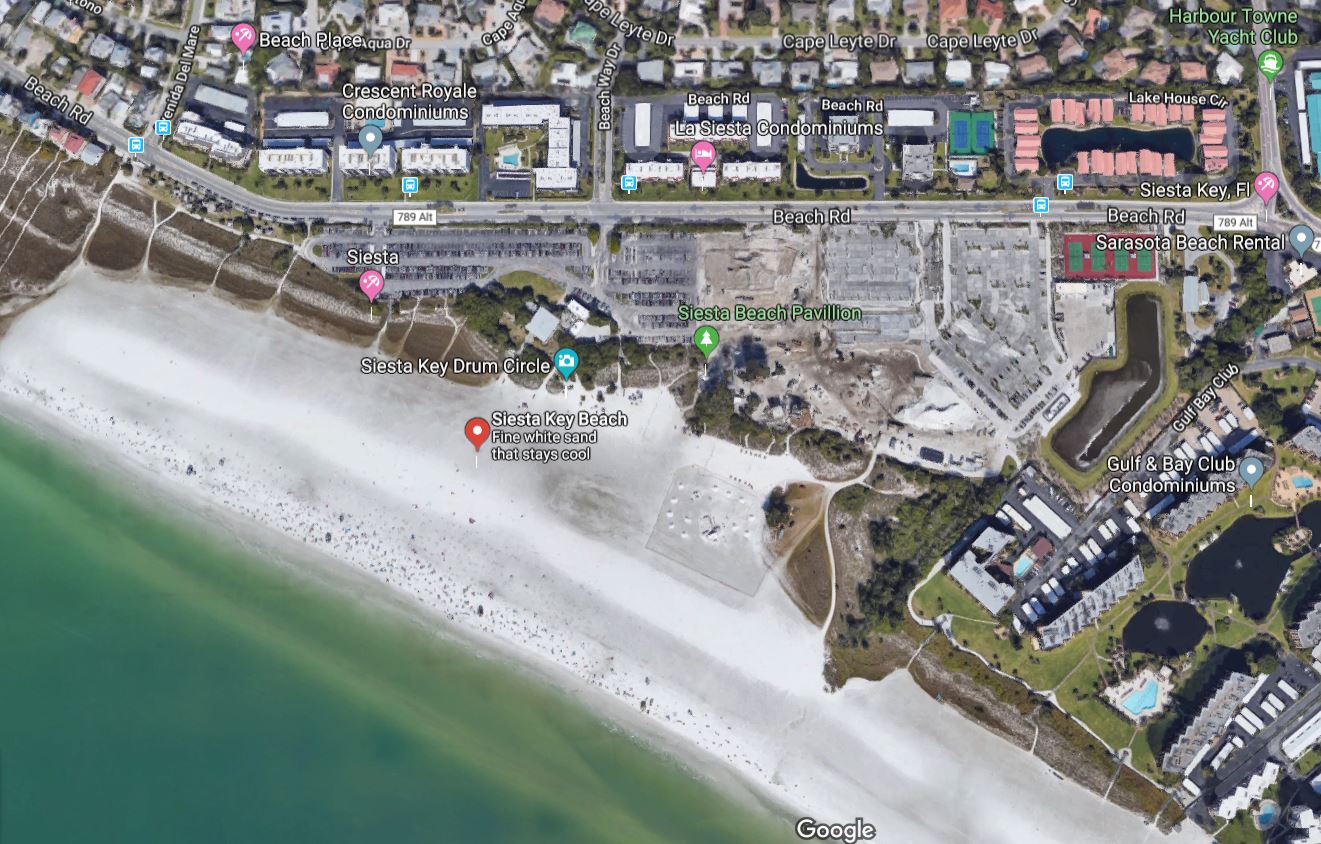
x,y
1142,700
1302,482
1022,565
1266,816
963,166
511,159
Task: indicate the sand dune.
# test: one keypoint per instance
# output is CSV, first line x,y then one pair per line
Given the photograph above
x,y
245,411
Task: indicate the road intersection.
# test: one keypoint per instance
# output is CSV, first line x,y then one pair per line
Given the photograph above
x,y
605,209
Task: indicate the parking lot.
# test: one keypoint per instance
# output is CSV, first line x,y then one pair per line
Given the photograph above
x,y
878,268
443,261
650,276
1087,319
999,334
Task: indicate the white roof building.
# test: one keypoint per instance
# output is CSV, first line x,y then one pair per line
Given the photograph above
x,y
839,10
1228,70
542,325
391,20
300,160
530,114
302,120
910,117
427,159
642,125
555,178
1307,826
989,592
559,143
221,99
354,161
1249,792
1009,513
1302,739
215,144
1045,514
1299,274
578,309
689,72
958,71
1091,606
655,171
277,22
562,135
759,171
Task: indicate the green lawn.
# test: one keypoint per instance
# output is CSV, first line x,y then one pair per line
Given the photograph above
x,y
1113,728
455,188
1240,830
1310,759
1041,669
1294,381
1213,266
942,595
527,139
974,628
309,188
1235,632
1074,670
1143,758
540,284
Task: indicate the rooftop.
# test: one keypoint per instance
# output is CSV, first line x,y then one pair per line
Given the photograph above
x,y
1092,605
974,578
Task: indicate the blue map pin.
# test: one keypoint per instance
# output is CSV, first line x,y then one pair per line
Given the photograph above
x,y
566,361
1250,469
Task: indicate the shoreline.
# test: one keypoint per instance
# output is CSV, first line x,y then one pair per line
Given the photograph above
x,y
731,682
305,566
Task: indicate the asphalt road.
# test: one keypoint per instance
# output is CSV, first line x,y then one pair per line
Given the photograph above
x,y
1270,135
1265,364
1263,746
603,208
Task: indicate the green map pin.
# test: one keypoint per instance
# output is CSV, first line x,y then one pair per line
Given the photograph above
x,y
1270,62
706,338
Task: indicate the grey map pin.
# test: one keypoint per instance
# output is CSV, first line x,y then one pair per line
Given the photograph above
x,y
370,137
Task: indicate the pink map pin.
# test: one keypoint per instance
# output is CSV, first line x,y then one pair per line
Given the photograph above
x,y
243,36
1266,184
371,282
703,154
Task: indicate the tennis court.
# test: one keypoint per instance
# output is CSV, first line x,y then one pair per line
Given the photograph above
x,y
1074,252
983,132
959,134
1314,305
971,133
1084,258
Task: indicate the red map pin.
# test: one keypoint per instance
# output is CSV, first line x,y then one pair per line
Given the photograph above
x,y
477,430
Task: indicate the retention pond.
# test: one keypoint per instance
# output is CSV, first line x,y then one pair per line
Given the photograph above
x,y
1059,145
1243,563
1116,396
1165,628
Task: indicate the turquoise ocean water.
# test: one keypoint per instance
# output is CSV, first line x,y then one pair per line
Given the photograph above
x,y
157,686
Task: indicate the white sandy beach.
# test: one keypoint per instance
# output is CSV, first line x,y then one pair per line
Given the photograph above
x,y
550,561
